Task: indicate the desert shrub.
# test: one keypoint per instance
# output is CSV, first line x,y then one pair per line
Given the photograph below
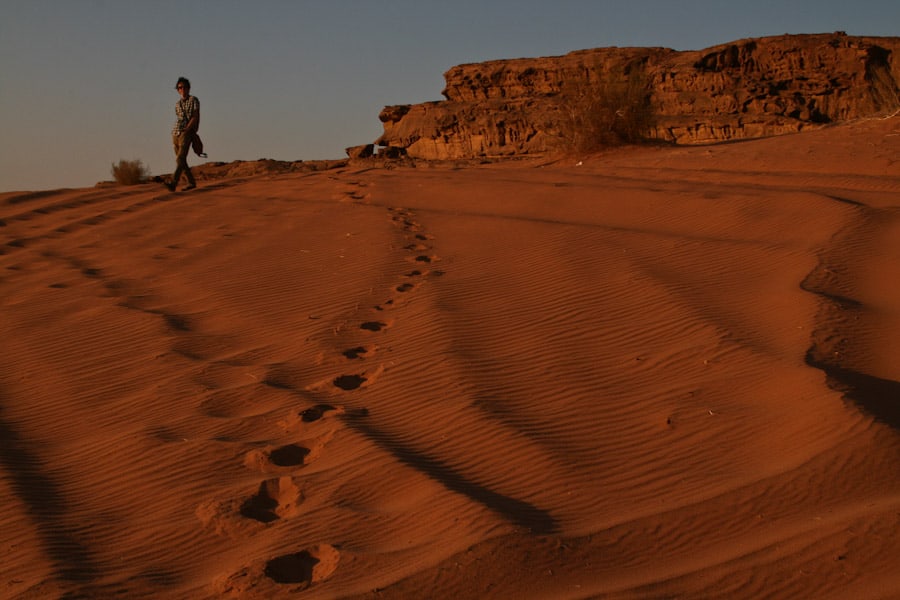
x,y
130,172
597,114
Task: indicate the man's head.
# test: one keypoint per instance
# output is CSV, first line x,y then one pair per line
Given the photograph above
x,y
183,86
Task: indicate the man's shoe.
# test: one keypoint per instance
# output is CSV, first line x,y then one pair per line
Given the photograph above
x,y
169,186
188,187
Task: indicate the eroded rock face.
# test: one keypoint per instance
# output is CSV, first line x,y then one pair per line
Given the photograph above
x,y
750,88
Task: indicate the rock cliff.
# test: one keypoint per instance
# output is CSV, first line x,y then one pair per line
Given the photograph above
x,y
749,88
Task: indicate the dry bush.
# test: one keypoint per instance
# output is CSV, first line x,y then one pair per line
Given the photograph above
x,y
130,172
595,115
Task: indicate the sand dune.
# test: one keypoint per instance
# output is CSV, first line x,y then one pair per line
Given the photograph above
x,y
664,372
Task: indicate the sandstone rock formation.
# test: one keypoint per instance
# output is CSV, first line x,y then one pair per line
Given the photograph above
x,y
745,89
364,151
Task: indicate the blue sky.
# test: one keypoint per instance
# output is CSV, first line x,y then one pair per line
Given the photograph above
x,y
84,83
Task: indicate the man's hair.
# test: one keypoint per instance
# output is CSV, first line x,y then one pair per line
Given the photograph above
x,y
183,81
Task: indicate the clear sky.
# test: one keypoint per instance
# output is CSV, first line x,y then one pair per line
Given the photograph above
x,y
84,83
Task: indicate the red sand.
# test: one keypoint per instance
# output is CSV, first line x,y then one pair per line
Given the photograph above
x,y
511,381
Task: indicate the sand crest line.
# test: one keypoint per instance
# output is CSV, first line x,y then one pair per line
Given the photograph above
x,y
836,344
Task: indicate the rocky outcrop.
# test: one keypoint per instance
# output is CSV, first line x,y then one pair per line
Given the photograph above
x,y
364,151
749,88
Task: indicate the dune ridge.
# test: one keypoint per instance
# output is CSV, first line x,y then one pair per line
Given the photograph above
x,y
664,372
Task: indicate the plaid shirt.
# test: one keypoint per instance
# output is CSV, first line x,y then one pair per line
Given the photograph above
x,y
184,110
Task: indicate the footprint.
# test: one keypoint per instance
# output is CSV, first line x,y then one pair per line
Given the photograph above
x,y
306,567
276,499
290,455
381,307
400,213
296,571
299,421
359,353
349,382
318,411
374,325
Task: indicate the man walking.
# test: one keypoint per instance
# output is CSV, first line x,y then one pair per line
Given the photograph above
x,y
187,113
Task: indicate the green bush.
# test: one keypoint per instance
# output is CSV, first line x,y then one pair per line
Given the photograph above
x,y
130,172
